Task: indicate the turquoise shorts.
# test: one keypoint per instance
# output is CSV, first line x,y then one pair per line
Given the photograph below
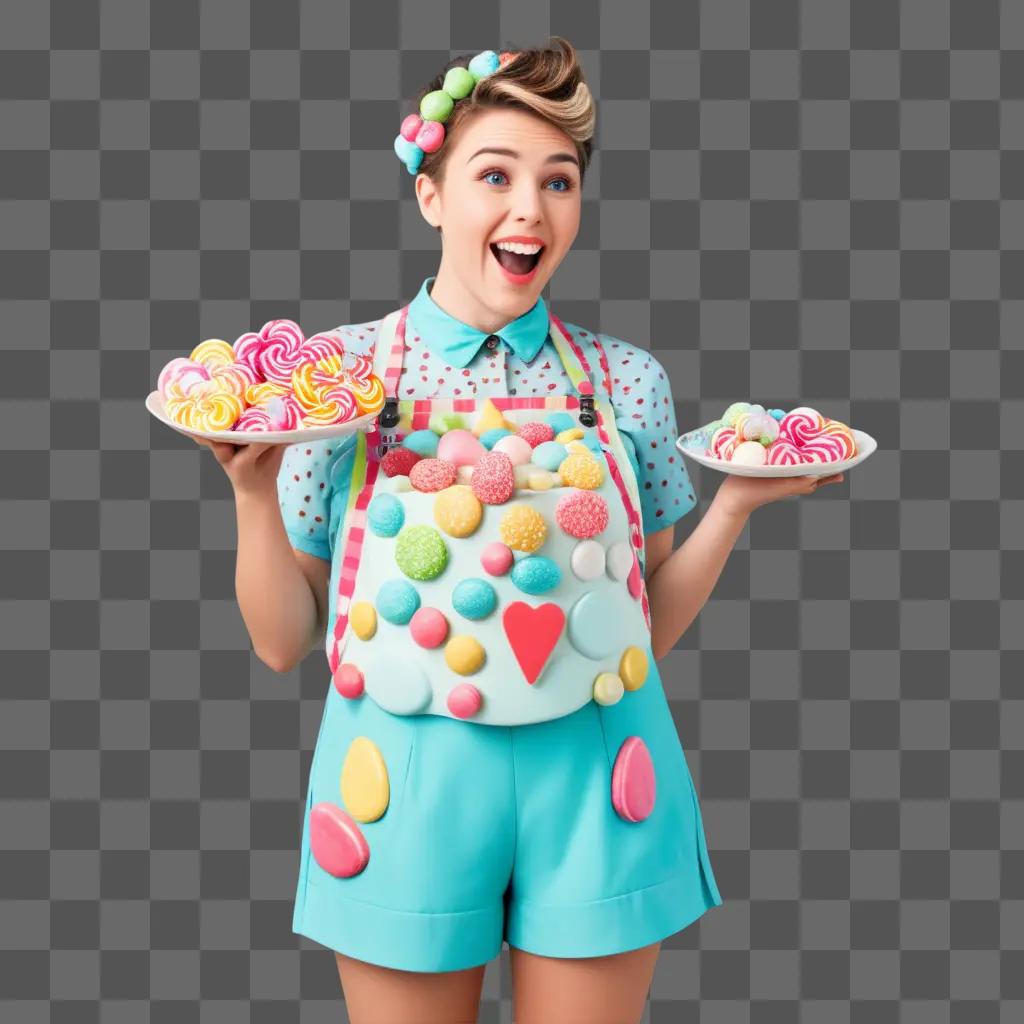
x,y
508,833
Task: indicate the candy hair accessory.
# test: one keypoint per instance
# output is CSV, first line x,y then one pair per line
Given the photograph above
x,y
424,132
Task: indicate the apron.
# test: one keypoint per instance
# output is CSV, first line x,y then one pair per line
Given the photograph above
x,y
508,631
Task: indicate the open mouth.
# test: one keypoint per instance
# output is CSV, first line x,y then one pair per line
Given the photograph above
x,y
517,263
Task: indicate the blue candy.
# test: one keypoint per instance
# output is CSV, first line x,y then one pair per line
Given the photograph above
x,y
422,442
535,574
559,421
490,437
593,442
484,64
474,598
385,515
397,601
409,153
549,454
776,414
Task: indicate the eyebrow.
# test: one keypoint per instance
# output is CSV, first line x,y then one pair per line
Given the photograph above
x,y
554,158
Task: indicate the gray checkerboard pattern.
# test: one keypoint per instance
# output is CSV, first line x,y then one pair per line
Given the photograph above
x,y
816,202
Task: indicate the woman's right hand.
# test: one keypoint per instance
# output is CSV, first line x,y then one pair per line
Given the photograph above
x,y
251,468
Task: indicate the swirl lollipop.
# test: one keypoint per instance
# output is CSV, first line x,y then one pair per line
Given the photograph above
x,y
845,436
783,453
184,372
278,412
801,424
321,389
206,406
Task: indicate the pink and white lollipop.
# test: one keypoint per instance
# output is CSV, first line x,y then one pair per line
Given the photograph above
x,y
823,448
801,424
183,372
783,453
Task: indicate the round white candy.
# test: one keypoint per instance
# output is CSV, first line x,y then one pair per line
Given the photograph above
x,y
749,453
587,560
620,560
400,483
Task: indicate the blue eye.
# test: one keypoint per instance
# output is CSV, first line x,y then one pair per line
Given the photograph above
x,y
501,174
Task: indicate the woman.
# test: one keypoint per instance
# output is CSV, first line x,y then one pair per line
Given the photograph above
x,y
523,831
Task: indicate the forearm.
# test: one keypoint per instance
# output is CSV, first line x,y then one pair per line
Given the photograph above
x,y
274,596
682,583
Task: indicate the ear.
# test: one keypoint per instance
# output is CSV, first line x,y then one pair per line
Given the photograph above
x,y
429,198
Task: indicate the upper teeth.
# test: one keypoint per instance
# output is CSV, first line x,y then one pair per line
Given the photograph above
x,y
520,247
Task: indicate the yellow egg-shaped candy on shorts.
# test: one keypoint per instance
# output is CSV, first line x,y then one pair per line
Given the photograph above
x,y
363,618
463,654
633,668
365,789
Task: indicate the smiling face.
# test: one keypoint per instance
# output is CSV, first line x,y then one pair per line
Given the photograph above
x,y
529,191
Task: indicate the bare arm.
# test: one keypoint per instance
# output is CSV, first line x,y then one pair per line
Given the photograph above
x,y
278,588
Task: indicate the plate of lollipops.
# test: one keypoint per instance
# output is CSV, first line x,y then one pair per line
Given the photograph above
x,y
749,440
272,386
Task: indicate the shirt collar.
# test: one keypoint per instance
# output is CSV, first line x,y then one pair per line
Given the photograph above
x,y
457,343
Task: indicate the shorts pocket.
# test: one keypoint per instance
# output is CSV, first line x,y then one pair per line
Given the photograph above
x,y
379,734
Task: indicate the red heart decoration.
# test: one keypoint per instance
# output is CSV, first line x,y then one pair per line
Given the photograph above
x,y
532,634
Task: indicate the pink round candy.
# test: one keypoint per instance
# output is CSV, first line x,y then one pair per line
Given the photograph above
x,y
348,680
459,447
464,701
428,627
430,136
496,558
410,126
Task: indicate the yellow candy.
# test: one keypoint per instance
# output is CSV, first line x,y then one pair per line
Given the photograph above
x,y
583,471
463,654
490,418
363,619
523,528
260,394
541,480
578,448
212,352
205,406
365,790
572,434
633,668
608,688
457,510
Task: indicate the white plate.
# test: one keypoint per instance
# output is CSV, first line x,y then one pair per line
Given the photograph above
x,y
866,444
155,404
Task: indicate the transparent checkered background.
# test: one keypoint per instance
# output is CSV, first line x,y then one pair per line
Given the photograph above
x,y
816,202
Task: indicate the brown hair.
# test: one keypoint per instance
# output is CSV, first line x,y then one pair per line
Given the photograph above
x,y
546,81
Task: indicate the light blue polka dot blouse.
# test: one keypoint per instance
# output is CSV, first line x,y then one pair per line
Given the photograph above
x,y
313,483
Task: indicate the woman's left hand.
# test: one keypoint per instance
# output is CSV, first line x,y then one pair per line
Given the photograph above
x,y
740,495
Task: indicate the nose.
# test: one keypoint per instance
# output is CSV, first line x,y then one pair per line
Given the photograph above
x,y
526,202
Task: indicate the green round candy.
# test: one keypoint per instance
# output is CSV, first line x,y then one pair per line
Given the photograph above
x,y
420,552
458,83
436,106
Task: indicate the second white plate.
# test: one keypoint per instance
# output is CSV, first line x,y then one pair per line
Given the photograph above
x,y
866,445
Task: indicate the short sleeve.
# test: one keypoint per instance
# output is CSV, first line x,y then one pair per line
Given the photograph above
x,y
646,419
314,478
306,486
